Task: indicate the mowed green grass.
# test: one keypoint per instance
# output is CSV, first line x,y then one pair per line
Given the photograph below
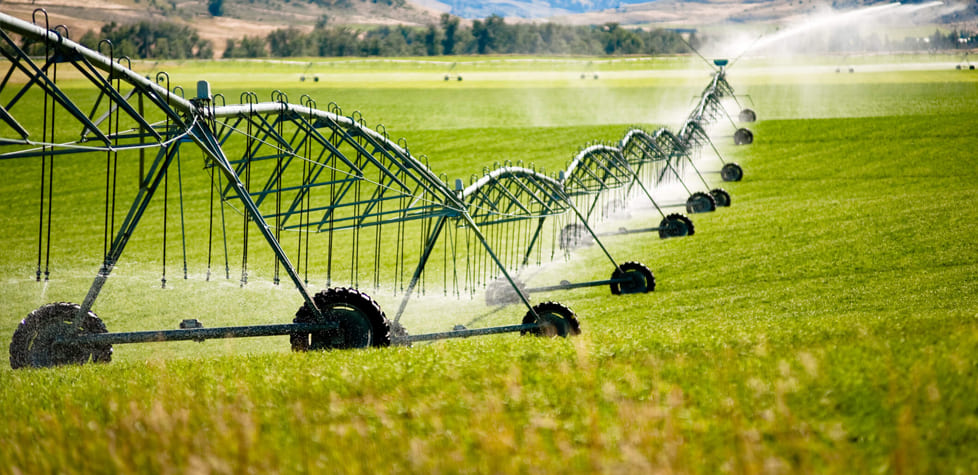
x,y
826,322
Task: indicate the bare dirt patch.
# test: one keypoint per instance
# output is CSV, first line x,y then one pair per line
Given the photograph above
x,y
253,20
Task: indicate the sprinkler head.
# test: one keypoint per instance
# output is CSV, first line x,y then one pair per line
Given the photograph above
x,y
204,90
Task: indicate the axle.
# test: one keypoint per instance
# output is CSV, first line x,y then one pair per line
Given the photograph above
x,y
464,333
197,334
201,334
566,285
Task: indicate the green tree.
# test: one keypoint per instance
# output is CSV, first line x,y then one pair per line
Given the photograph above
x,y
483,37
215,7
322,22
431,39
619,40
229,49
156,40
286,42
89,39
253,47
499,35
449,26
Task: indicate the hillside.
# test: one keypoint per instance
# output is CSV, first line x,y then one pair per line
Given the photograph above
x,y
684,12
257,18
715,12
240,18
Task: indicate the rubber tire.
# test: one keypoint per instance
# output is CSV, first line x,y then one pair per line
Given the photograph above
x,y
361,322
675,225
573,236
743,137
701,202
643,280
689,223
556,319
748,115
33,342
731,172
499,292
721,196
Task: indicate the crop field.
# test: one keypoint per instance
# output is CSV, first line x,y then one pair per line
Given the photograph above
x,y
826,322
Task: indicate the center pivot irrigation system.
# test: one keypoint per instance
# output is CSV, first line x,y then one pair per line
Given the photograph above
x,y
293,172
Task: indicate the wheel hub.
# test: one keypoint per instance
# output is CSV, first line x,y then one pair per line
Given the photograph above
x,y
49,348
676,228
551,319
698,204
359,322
553,325
731,172
354,331
634,284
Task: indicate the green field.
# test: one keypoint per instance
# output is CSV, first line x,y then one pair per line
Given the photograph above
x,y
826,322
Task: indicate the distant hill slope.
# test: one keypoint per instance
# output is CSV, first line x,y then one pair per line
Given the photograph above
x,y
254,18
240,18
713,12
523,8
674,11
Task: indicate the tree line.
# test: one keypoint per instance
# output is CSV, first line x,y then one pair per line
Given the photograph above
x,y
163,40
490,36
143,40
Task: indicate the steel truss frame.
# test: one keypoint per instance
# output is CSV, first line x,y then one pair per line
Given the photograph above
x,y
295,167
340,154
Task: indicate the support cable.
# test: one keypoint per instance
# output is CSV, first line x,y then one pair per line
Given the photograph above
x,y
224,231
166,186
377,234
106,227
183,227
444,265
44,159
330,227
278,190
247,183
399,248
303,213
210,228
166,176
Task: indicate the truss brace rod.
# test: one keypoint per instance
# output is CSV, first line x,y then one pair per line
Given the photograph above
x,y
146,191
428,248
482,238
208,143
587,226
